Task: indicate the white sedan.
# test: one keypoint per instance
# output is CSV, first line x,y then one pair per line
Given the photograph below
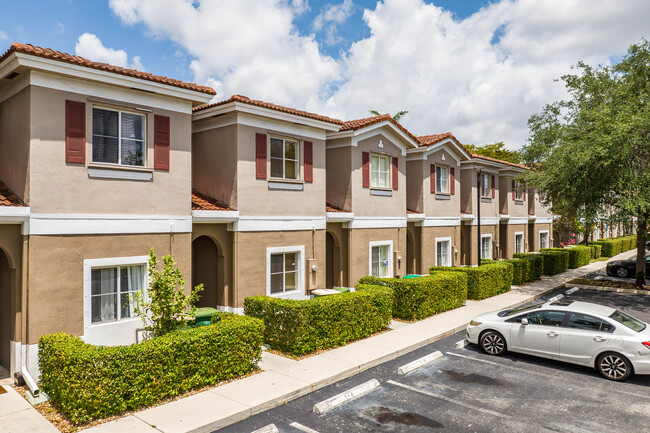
x,y
593,335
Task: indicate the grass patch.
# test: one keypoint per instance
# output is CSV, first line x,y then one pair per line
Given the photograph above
x,y
601,283
600,259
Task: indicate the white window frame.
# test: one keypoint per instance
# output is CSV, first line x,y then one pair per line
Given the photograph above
x,y
489,186
548,239
375,167
299,293
489,250
390,256
110,333
519,191
523,242
439,240
119,135
284,157
440,179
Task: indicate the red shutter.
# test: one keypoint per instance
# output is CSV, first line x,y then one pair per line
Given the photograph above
x,y
309,161
433,178
161,142
365,159
75,132
260,156
524,192
494,193
395,173
452,180
514,190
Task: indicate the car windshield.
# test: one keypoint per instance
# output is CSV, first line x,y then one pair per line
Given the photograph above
x,y
518,310
629,321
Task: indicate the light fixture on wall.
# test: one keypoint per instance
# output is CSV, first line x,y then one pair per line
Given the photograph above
x,y
381,144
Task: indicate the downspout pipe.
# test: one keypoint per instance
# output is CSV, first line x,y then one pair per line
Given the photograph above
x,y
29,380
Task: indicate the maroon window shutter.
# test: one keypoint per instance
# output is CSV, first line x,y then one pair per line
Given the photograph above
x,y
494,193
524,193
365,159
75,132
309,161
161,142
452,180
514,190
260,156
433,178
395,173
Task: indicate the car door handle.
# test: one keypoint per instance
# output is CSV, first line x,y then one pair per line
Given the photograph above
x,y
552,334
599,339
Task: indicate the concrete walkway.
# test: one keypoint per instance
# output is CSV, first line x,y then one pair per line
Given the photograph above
x,y
17,415
284,379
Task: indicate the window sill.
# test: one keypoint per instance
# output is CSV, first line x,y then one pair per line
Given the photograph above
x,y
115,171
287,185
443,196
486,200
293,294
519,202
385,192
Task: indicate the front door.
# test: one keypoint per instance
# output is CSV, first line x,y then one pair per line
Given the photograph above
x,y
541,336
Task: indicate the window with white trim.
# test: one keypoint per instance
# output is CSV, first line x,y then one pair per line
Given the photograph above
x,y
381,260
443,252
519,242
113,289
486,247
284,272
519,190
442,179
543,239
486,190
118,137
285,158
379,171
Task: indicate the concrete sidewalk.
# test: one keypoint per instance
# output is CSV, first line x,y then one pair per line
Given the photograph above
x,y
284,379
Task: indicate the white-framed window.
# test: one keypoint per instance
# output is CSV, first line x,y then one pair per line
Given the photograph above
x,y
285,271
285,158
119,137
442,179
379,171
543,239
443,251
519,190
486,247
486,187
109,301
519,242
381,259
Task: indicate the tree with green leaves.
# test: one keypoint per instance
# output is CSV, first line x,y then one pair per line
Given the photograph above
x,y
397,117
496,150
593,149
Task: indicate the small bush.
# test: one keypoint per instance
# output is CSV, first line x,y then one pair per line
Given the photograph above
x,y
89,382
521,270
536,265
484,281
610,247
299,327
625,243
556,260
418,298
595,250
579,255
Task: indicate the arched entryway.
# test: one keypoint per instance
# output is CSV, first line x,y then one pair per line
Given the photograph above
x,y
410,253
5,310
331,279
207,268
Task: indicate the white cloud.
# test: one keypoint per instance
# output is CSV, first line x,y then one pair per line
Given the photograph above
x,y
90,46
3,35
450,74
60,28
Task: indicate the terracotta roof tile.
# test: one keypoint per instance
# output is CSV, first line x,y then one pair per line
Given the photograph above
x,y
354,125
409,211
246,100
81,61
428,140
8,198
203,202
330,208
489,158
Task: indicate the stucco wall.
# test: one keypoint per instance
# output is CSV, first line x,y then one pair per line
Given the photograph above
x,y
360,254
14,143
11,241
534,230
340,254
220,291
469,242
339,174
508,242
435,204
429,235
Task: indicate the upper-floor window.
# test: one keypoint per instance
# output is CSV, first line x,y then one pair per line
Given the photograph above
x,y
519,190
379,171
118,137
485,185
442,179
285,158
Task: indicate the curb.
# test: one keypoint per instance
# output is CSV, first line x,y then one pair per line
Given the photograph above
x,y
412,366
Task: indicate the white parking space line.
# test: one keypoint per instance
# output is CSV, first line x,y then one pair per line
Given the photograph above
x,y
572,290
271,428
412,366
461,344
344,397
301,427
557,373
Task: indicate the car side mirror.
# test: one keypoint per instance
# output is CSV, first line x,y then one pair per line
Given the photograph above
x,y
524,322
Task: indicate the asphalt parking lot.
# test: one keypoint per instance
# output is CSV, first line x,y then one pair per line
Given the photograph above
x,y
469,391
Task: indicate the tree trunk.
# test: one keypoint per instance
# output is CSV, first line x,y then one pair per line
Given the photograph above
x,y
641,235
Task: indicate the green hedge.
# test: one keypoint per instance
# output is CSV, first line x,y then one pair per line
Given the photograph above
x,y
579,255
303,326
418,298
610,247
521,270
595,250
484,281
89,382
536,266
556,260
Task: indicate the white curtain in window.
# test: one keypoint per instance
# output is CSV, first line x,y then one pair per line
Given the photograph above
x,y
134,277
104,291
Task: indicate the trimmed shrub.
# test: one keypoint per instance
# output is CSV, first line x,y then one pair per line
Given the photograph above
x,y
625,243
536,266
418,298
579,255
484,281
89,382
303,326
595,250
610,247
521,270
556,260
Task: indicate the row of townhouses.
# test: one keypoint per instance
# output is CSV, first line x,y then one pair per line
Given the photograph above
x,y
99,164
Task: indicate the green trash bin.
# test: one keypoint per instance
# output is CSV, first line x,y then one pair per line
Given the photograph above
x,y
342,289
412,276
203,316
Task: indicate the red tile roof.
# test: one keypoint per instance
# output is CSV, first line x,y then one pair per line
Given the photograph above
x,y
246,100
428,140
489,158
330,208
8,198
354,125
81,61
203,202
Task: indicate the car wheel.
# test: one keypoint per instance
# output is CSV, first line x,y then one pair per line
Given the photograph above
x,y
493,343
613,366
621,272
